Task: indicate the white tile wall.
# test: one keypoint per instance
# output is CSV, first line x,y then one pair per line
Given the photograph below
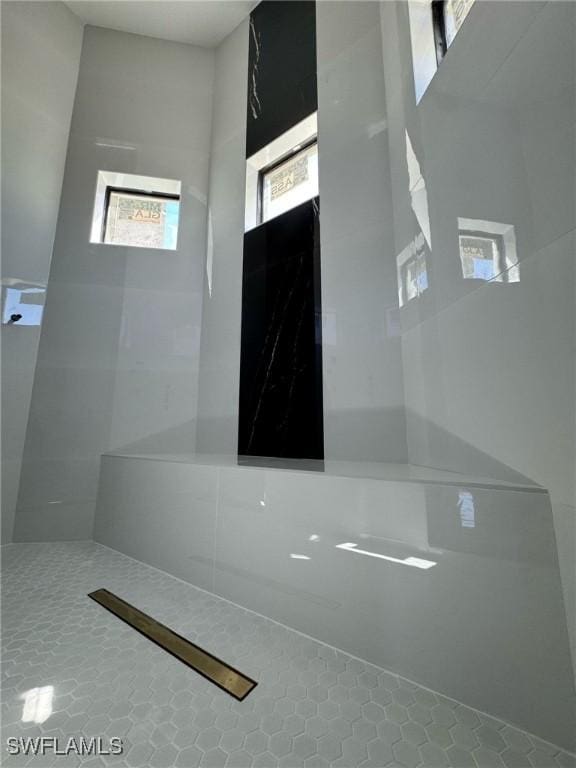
x,y
41,45
222,303
471,377
488,367
119,353
362,372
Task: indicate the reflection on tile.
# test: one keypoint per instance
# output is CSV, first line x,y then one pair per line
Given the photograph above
x,y
22,304
391,570
488,250
496,149
412,269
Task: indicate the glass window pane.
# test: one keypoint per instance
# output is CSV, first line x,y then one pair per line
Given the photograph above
x,y
292,182
145,221
480,256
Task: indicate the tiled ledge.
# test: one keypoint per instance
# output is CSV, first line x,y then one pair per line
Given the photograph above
x,y
452,585
410,473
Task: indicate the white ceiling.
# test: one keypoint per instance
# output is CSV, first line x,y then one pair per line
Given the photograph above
x,y
199,22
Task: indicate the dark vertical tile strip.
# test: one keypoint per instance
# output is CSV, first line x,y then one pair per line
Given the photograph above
x,y
282,82
280,409
281,358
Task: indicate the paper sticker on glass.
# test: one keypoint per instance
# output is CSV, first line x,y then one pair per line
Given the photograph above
x,y
146,221
290,183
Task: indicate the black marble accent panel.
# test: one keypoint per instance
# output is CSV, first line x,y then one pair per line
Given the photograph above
x,y
282,82
281,344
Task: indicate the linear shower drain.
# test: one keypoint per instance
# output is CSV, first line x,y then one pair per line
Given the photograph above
x,y
218,672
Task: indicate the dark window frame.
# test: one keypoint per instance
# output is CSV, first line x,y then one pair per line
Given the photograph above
x,y
263,172
438,9
110,189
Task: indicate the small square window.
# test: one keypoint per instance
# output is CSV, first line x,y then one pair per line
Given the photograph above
x,y
412,270
283,174
481,255
147,221
137,211
488,251
290,182
433,27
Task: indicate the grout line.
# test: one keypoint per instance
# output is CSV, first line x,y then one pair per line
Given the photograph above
x,y
55,541
216,518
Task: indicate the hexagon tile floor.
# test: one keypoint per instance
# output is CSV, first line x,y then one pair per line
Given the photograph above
x,y
71,668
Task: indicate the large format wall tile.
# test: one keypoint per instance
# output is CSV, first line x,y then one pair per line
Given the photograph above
x,y
160,513
41,45
461,626
362,370
217,419
121,323
488,369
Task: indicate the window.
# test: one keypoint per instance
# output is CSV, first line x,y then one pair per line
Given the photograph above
x,y
439,27
416,277
481,255
433,27
488,251
424,60
23,304
283,174
147,221
412,270
290,182
447,18
137,211
466,509
455,11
